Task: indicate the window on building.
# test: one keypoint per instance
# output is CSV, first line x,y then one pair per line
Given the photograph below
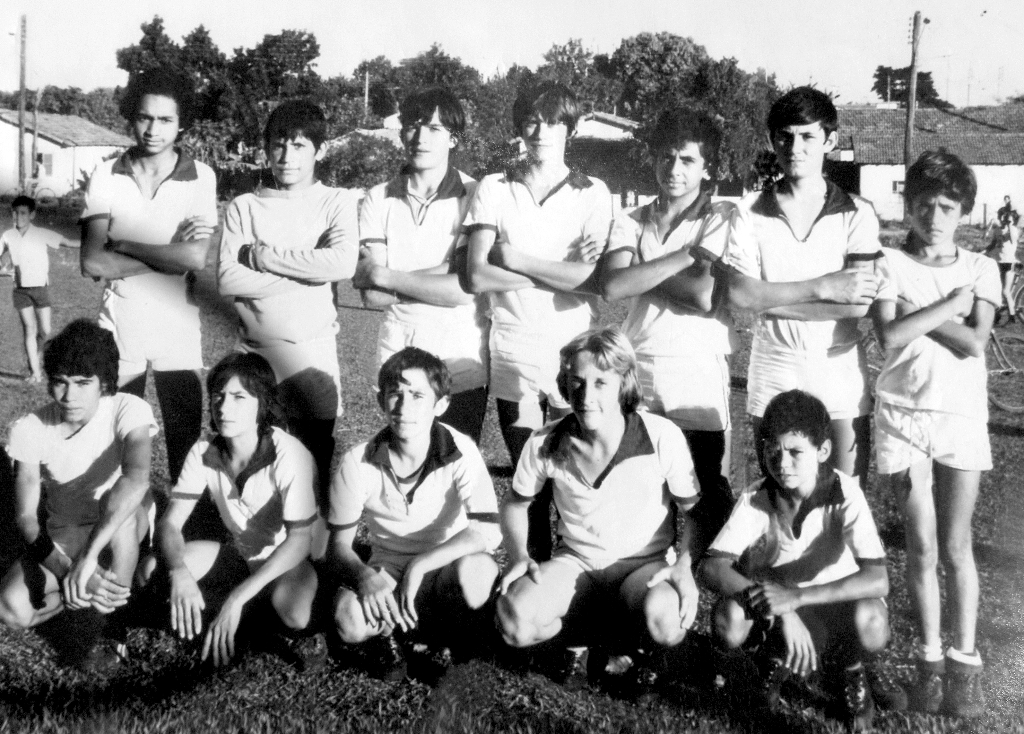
x,y
897,187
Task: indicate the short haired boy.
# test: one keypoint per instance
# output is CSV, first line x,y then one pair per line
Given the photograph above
x,y
148,221
410,236
933,317
681,334
535,233
283,246
806,268
25,246
86,455
619,476
799,565
429,505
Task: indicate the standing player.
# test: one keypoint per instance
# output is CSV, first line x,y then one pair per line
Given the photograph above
x,y
409,234
933,316
25,246
804,230
282,248
680,334
535,233
149,216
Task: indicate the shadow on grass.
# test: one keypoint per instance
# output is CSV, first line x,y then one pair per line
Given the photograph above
x,y
1005,429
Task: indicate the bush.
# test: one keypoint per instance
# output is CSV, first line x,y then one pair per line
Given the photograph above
x,y
361,162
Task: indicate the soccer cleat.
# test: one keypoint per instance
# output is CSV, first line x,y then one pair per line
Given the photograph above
x,y
308,653
773,673
389,657
962,694
574,674
103,660
886,691
925,693
858,706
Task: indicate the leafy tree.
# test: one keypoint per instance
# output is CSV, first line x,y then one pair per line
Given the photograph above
x,y
154,50
893,85
434,67
281,65
654,69
576,67
361,162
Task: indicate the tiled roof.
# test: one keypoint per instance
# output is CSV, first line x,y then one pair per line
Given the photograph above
x,y
979,135
68,130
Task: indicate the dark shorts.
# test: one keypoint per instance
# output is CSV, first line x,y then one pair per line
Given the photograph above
x,y
35,297
1004,268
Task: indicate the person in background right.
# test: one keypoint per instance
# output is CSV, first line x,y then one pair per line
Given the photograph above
x,y
933,315
1003,249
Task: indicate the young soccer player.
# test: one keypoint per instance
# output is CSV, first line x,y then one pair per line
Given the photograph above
x,y
428,502
1004,251
86,455
933,316
410,237
803,230
680,333
148,219
799,565
619,476
535,233
282,248
25,247
262,481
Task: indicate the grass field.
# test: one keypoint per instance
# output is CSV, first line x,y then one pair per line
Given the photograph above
x,y
164,689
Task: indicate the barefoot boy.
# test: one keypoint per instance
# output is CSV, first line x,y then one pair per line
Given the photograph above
x,y
429,505
25,247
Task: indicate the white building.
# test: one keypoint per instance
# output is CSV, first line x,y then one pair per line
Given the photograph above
x,y
68,149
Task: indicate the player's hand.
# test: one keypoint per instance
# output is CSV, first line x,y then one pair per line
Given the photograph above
x,y
75,585
194,228
773,600
367,274
801,656
589,251
410,586
850,286
220,638
379,603
525,567
187,604
962,299
680,578
108,593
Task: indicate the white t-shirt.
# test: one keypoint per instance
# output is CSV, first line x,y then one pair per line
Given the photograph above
x,y
273,493
78,470
833,534
654,325
626,511
29,254
924,374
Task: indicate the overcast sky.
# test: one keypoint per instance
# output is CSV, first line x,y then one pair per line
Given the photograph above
x,y
973,48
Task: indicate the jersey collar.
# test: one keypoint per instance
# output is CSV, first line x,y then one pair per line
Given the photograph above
x,y
574,179
827,493
699,209
184,169
441,452
837,201
216,457
451,186
636,441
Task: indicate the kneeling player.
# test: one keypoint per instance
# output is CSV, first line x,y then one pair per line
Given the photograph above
x,y
799,564
616,474
428,501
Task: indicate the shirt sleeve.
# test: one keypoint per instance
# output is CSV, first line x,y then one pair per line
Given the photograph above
x,y
531,472
862,240
859,529
98,200
742,251
624,235
598,222
715,233
888,286
192,480
349,491
235,279
333,258
477,492
677,465
132,413
295,472
25,440
483,209
371,219
987,284
743,528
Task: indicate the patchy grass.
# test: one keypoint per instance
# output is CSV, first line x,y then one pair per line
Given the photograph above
x,y
163,689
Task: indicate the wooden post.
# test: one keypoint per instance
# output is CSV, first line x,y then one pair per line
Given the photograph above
x,y
35,133
21,110
908,137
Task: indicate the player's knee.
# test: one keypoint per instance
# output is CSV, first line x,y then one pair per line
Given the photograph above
x,y
956,551
730,623
872,621
476,574
348,618
12,614
517,629
661,609
922,550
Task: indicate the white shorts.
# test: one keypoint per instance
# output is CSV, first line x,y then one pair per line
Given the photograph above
x,y
465,352
308,375
835,378
525,365
71,539
692,392
150,332
906,436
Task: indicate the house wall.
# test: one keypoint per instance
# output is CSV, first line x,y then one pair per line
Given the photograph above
x,y
994,182
66,164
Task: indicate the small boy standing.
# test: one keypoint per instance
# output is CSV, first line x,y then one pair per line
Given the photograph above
x,y
681,335
282,248
429,504
410,237
933,317
25,246
799,564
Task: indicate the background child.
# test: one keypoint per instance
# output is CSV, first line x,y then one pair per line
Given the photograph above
x,y
25,247
430,508
681,336
800,560
282,248
410,234
933,316
262,482
87,456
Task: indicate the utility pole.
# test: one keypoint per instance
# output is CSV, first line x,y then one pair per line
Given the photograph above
x,y
21,110
908,137
366,96
35,133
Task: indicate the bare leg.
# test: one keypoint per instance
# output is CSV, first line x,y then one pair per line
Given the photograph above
x,y
658,607
852,446
29,595
956,492
292,596
532,612
31,336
